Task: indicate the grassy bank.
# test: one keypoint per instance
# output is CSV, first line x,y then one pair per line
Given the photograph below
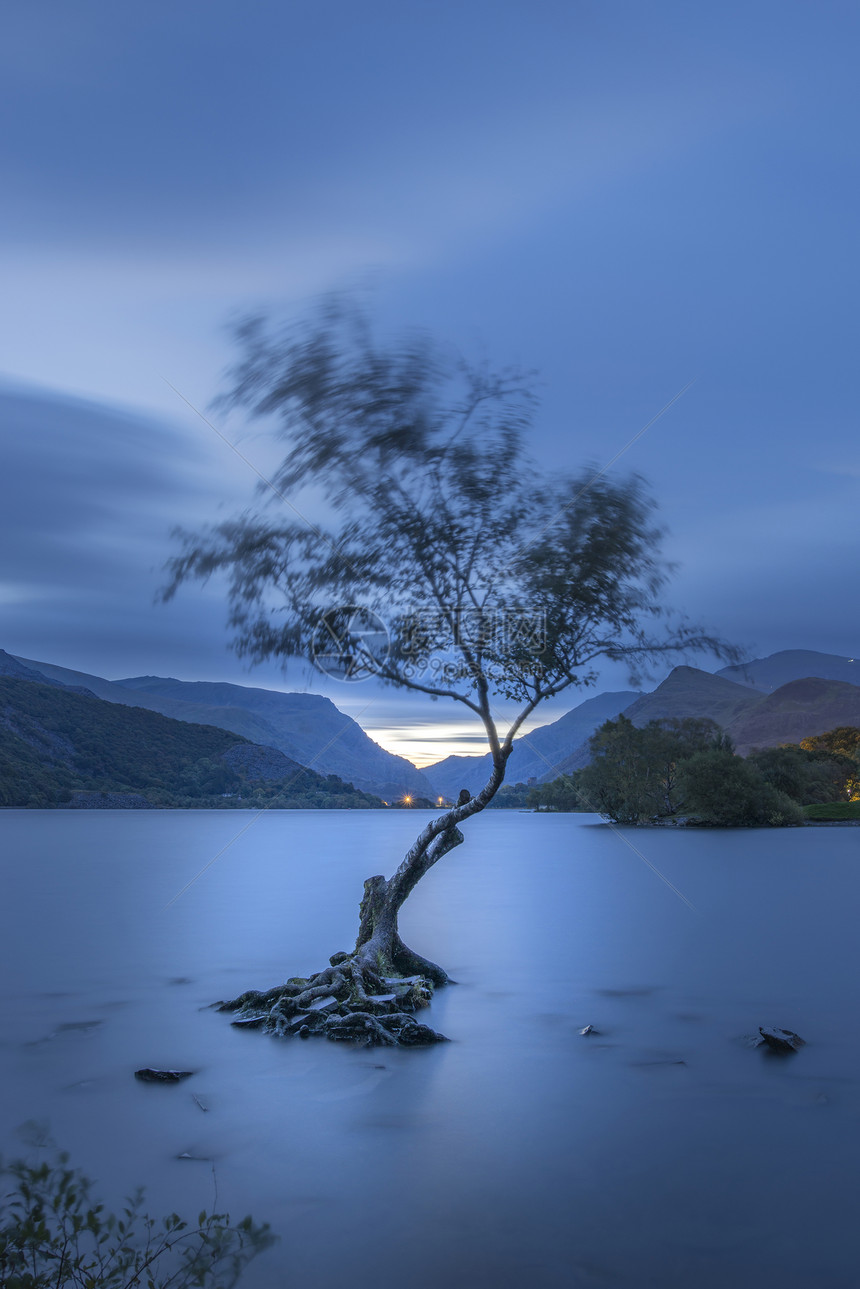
x,y
835,811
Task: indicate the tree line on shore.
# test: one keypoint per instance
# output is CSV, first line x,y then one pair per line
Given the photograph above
x,y
687,769
59,749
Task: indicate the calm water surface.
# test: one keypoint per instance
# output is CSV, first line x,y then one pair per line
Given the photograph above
x,y
661,1153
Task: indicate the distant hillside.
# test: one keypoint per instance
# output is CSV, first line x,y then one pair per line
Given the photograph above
x,y
538,754
305,727
10,666
778,669
686,691
798,710
58,747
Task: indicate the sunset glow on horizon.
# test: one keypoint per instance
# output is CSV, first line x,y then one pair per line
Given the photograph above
x,y
426,742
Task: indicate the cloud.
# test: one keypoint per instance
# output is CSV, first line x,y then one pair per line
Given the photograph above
x,y
88,495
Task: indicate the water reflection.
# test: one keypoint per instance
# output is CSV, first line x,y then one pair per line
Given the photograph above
x,y
659,1151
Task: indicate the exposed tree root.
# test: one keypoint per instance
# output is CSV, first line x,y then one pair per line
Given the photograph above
x,y
351,1000
348,1001
367,996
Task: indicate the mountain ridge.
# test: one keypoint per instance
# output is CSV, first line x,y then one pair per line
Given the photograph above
x,y
799,709
308,728
688,691
780,668
67,749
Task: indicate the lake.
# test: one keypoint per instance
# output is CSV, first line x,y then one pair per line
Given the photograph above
x,y
661,1151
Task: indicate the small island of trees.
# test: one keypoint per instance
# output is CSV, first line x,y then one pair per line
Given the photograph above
x,y
687,770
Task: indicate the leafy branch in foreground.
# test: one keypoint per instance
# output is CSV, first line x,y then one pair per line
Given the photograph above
x,y
54,1234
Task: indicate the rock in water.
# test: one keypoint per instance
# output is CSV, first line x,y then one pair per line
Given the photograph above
x,y
322,1004
781,1040
162,1076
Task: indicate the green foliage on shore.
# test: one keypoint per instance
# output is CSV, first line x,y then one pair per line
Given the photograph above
x,y
725,790
807,776
55,1235
635,773
666,768
833,811
843,741
561,795
59,748
512,796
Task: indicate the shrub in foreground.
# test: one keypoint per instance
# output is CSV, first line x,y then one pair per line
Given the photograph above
x,y
53,1233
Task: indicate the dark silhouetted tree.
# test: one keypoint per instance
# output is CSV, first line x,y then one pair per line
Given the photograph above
x,y
725,790
634,773
806,776
493,581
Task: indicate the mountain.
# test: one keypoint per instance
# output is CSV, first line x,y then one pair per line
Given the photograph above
x,y
58,747
10,666
795,711
537,754
778,669
562,747
686,691
305,727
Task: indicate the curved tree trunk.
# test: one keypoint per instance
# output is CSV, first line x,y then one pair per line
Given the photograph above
x,y
369,996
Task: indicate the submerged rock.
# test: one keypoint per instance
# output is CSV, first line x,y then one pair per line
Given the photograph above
x,y
162,1076
781,1040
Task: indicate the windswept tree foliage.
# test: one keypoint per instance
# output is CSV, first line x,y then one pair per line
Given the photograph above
x,y
448,565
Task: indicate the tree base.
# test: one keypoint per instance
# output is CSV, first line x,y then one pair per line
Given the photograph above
x,y
364,997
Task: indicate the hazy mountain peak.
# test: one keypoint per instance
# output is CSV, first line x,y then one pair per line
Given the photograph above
x,y
800,709
10,666
307,728
687,691
778,669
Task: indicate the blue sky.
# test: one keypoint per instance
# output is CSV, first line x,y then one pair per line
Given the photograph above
x,y
625,196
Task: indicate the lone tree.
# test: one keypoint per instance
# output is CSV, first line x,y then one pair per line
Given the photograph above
x,y
448,566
